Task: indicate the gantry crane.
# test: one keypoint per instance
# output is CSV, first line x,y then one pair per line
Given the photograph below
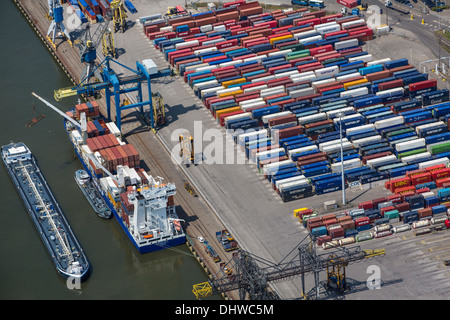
x,y
55,14
115,86
119,15
253,274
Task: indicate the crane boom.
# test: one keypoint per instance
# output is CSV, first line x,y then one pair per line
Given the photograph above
x,y
81,125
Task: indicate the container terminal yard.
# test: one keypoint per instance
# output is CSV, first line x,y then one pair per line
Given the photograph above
x,y
297,76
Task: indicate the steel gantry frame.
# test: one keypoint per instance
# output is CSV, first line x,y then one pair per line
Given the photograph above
x,y
253,273
115,86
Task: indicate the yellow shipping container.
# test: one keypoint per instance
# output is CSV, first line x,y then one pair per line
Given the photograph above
x,y
232,93
296,211
228,83
280,38
228,110
354,83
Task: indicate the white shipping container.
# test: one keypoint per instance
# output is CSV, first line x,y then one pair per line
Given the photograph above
x,y
301,77
332,142
275,165
346,44
327,71
348,164
350,23
267,117
257,58
332,113
196,67
272,151
289,180
302,149
205,50
429,125
386,123
219,28
199,85
337,147
326,24
358,142
304,182
237,116
372,162
435,162
363,127
365,58
229,63
354,93
381,61
329,29
263,86
185,44
273,91
245,107
204,68
319,82
241,103
227,90
212,41
412,144
280,52
304,33
348,76
313,117
254,135
301,92
286,74
415,156
206,28
211,90
264,79
310,39
389,91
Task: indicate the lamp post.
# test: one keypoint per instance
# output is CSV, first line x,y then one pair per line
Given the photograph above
x,y
342,160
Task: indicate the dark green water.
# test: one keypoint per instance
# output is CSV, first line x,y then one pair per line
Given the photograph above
x,y
26,270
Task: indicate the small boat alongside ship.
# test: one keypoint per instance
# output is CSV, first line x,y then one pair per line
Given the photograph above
x,y
43,209
84,181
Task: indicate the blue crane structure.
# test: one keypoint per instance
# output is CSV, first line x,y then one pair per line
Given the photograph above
x,y
115,85
55,13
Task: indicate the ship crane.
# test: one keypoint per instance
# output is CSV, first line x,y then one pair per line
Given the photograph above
x,y
253,273
82,125
55,14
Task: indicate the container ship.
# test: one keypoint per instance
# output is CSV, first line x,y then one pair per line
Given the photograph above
x,y
143,205
48,218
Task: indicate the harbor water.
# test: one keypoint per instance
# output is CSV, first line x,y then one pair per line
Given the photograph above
x,y
26,270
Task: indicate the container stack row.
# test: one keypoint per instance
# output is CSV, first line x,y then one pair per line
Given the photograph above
x,y
285,82
419,210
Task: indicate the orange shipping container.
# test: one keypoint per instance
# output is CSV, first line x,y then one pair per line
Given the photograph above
x,y
421,178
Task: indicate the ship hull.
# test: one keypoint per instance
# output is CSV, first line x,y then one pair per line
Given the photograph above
x,y
142,248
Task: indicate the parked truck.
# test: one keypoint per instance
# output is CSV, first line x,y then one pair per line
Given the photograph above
x,y
209,250
226,240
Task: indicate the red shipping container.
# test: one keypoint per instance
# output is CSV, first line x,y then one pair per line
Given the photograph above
x,y
423,190
337,233
421,178
440,182
322,239
401,207
331,17
366,205
422,85
395,198
348,224
414,172
330,222
348,3
390,84
322,49
425,212
386,209
378,200
362,221
436,167
397,183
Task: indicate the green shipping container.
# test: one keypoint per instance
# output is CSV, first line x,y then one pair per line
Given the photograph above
x,y
297,54
391,214
410,153
439,148
294,47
